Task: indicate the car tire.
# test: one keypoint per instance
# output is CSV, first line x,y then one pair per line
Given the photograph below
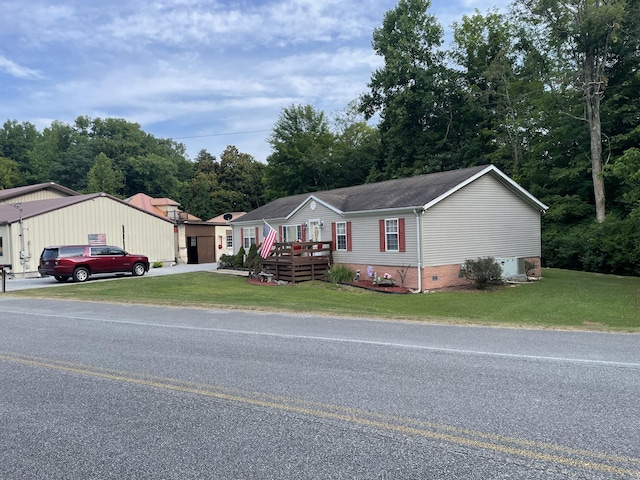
x,y
138,270
80,274
61,278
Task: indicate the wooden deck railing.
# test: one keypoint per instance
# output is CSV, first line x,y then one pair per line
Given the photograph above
x,y
298,261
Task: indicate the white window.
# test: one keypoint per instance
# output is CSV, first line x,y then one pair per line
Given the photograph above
x,y
341,235
248,237
291,233
391,234
229,234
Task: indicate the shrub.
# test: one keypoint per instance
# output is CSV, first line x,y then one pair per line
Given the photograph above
x,y
253,259
482,272
239,261
157,264
340,273
227,261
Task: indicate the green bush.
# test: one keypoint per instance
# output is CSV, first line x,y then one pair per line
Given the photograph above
x,y
157,264
239,261
610,247
482,272
227,261
340,273
253,259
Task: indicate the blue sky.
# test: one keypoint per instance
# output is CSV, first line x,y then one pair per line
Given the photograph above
x,y
205,73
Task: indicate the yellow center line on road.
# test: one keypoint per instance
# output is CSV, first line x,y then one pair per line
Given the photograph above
x,y
589,460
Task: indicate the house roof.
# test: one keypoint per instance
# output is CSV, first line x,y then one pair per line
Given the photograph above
x,y
9,193
150,204
11,214
422,191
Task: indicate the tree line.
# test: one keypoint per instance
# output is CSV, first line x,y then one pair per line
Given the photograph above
x,y
547,91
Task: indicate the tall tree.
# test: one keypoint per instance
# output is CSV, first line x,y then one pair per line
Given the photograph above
x,y
103,177
417,97
198,199
483,47
580,34
301,160
356,150
10,175
17,140
242,174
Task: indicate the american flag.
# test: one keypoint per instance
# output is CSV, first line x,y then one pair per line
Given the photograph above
x,y
269,238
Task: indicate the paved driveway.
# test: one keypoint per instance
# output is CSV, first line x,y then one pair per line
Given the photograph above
x,y
12,284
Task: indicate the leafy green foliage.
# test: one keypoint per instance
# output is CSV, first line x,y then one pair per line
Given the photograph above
x,y
226,261
240,258
609,247
483,272
301,160
103,177
339,273
253,259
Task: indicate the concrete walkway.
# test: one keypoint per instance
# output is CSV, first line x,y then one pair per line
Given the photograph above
x,y
12,284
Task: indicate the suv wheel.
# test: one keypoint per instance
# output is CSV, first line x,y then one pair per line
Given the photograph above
x,y
80,274
138,269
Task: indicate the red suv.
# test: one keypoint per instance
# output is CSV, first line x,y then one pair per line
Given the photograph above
x,y
81,261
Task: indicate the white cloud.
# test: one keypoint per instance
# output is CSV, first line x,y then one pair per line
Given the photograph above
x,y
184,68
16,70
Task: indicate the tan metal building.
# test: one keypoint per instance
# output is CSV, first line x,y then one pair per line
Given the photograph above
x,y
27,225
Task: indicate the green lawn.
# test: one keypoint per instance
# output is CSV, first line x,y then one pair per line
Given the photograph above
x,y
562,299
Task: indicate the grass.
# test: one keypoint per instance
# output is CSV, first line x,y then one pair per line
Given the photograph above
x,y
562,299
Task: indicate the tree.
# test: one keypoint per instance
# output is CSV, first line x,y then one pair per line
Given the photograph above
x,y
241,174
9,173
417,97
495,118
198,199
61,155
152,174
104,178
580,33
302,146
16,141
356,149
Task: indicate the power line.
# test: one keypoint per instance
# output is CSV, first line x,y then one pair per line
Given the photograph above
x,y
221,134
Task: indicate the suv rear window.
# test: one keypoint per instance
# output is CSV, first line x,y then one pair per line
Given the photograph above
x,y
49,253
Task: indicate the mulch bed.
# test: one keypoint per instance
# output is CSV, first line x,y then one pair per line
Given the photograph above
x,y
368,285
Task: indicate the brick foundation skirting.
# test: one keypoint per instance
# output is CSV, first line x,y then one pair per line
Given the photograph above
x,y
433,277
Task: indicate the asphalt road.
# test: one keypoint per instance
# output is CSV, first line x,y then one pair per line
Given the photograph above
x,y
94,391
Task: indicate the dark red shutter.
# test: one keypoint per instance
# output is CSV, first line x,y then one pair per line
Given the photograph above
x,y
333,236
257,237
280,232
383,243
401,241
349,236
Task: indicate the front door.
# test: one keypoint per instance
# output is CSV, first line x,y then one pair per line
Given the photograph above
x,y
192,249
314,231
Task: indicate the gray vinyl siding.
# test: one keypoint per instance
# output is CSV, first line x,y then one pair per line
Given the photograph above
x,y
482,219
365,238
365,234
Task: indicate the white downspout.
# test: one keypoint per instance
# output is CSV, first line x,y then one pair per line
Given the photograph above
x,y
419,248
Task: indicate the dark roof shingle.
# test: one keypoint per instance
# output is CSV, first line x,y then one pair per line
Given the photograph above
x,y
399,193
